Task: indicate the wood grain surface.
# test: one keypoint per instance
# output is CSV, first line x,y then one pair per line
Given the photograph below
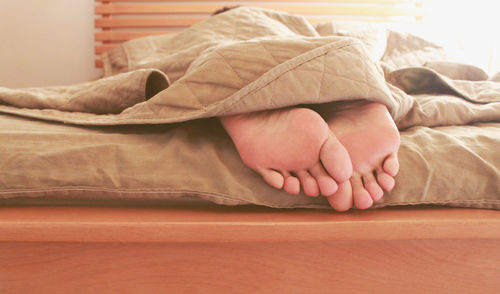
x,y
214,249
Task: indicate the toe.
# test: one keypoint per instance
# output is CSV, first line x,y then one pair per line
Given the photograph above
x,y
342,199
272,177
391,164
326,183
292,184
308,183
360,195
335,159
372,186
385,180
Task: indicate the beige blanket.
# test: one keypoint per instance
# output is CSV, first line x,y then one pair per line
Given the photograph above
x,y
246,60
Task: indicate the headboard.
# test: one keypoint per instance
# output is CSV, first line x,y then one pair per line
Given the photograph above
x,y
120,20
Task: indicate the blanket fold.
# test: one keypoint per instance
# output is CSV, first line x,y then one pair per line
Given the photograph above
x,y
108,95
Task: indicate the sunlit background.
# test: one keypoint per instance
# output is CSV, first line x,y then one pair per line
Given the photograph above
x,y
469,29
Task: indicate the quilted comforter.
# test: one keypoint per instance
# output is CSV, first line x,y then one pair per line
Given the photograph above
x,y
148,130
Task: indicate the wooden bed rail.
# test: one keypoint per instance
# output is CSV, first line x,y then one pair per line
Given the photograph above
x,y
216,249
118,21
214,223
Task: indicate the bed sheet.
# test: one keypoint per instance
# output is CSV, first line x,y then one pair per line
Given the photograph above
x,y
51,163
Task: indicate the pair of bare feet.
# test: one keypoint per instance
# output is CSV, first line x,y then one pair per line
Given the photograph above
x,y
348,153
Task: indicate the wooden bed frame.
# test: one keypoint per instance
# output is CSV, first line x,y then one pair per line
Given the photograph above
x,y
215,249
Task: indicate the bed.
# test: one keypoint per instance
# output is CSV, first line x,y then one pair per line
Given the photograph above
x,y
88,224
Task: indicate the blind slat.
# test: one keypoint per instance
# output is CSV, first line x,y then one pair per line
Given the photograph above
x,y
118,21
319,9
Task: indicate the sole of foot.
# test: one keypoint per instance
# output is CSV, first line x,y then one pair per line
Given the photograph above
x,y
292,149
371,138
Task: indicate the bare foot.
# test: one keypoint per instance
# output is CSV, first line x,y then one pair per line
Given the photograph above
x,y
371,137
290,149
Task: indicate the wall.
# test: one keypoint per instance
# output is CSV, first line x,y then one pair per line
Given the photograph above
x,y
46,42
469,27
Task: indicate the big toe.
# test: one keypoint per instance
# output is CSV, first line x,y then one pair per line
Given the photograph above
x,y
342,199
335,159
